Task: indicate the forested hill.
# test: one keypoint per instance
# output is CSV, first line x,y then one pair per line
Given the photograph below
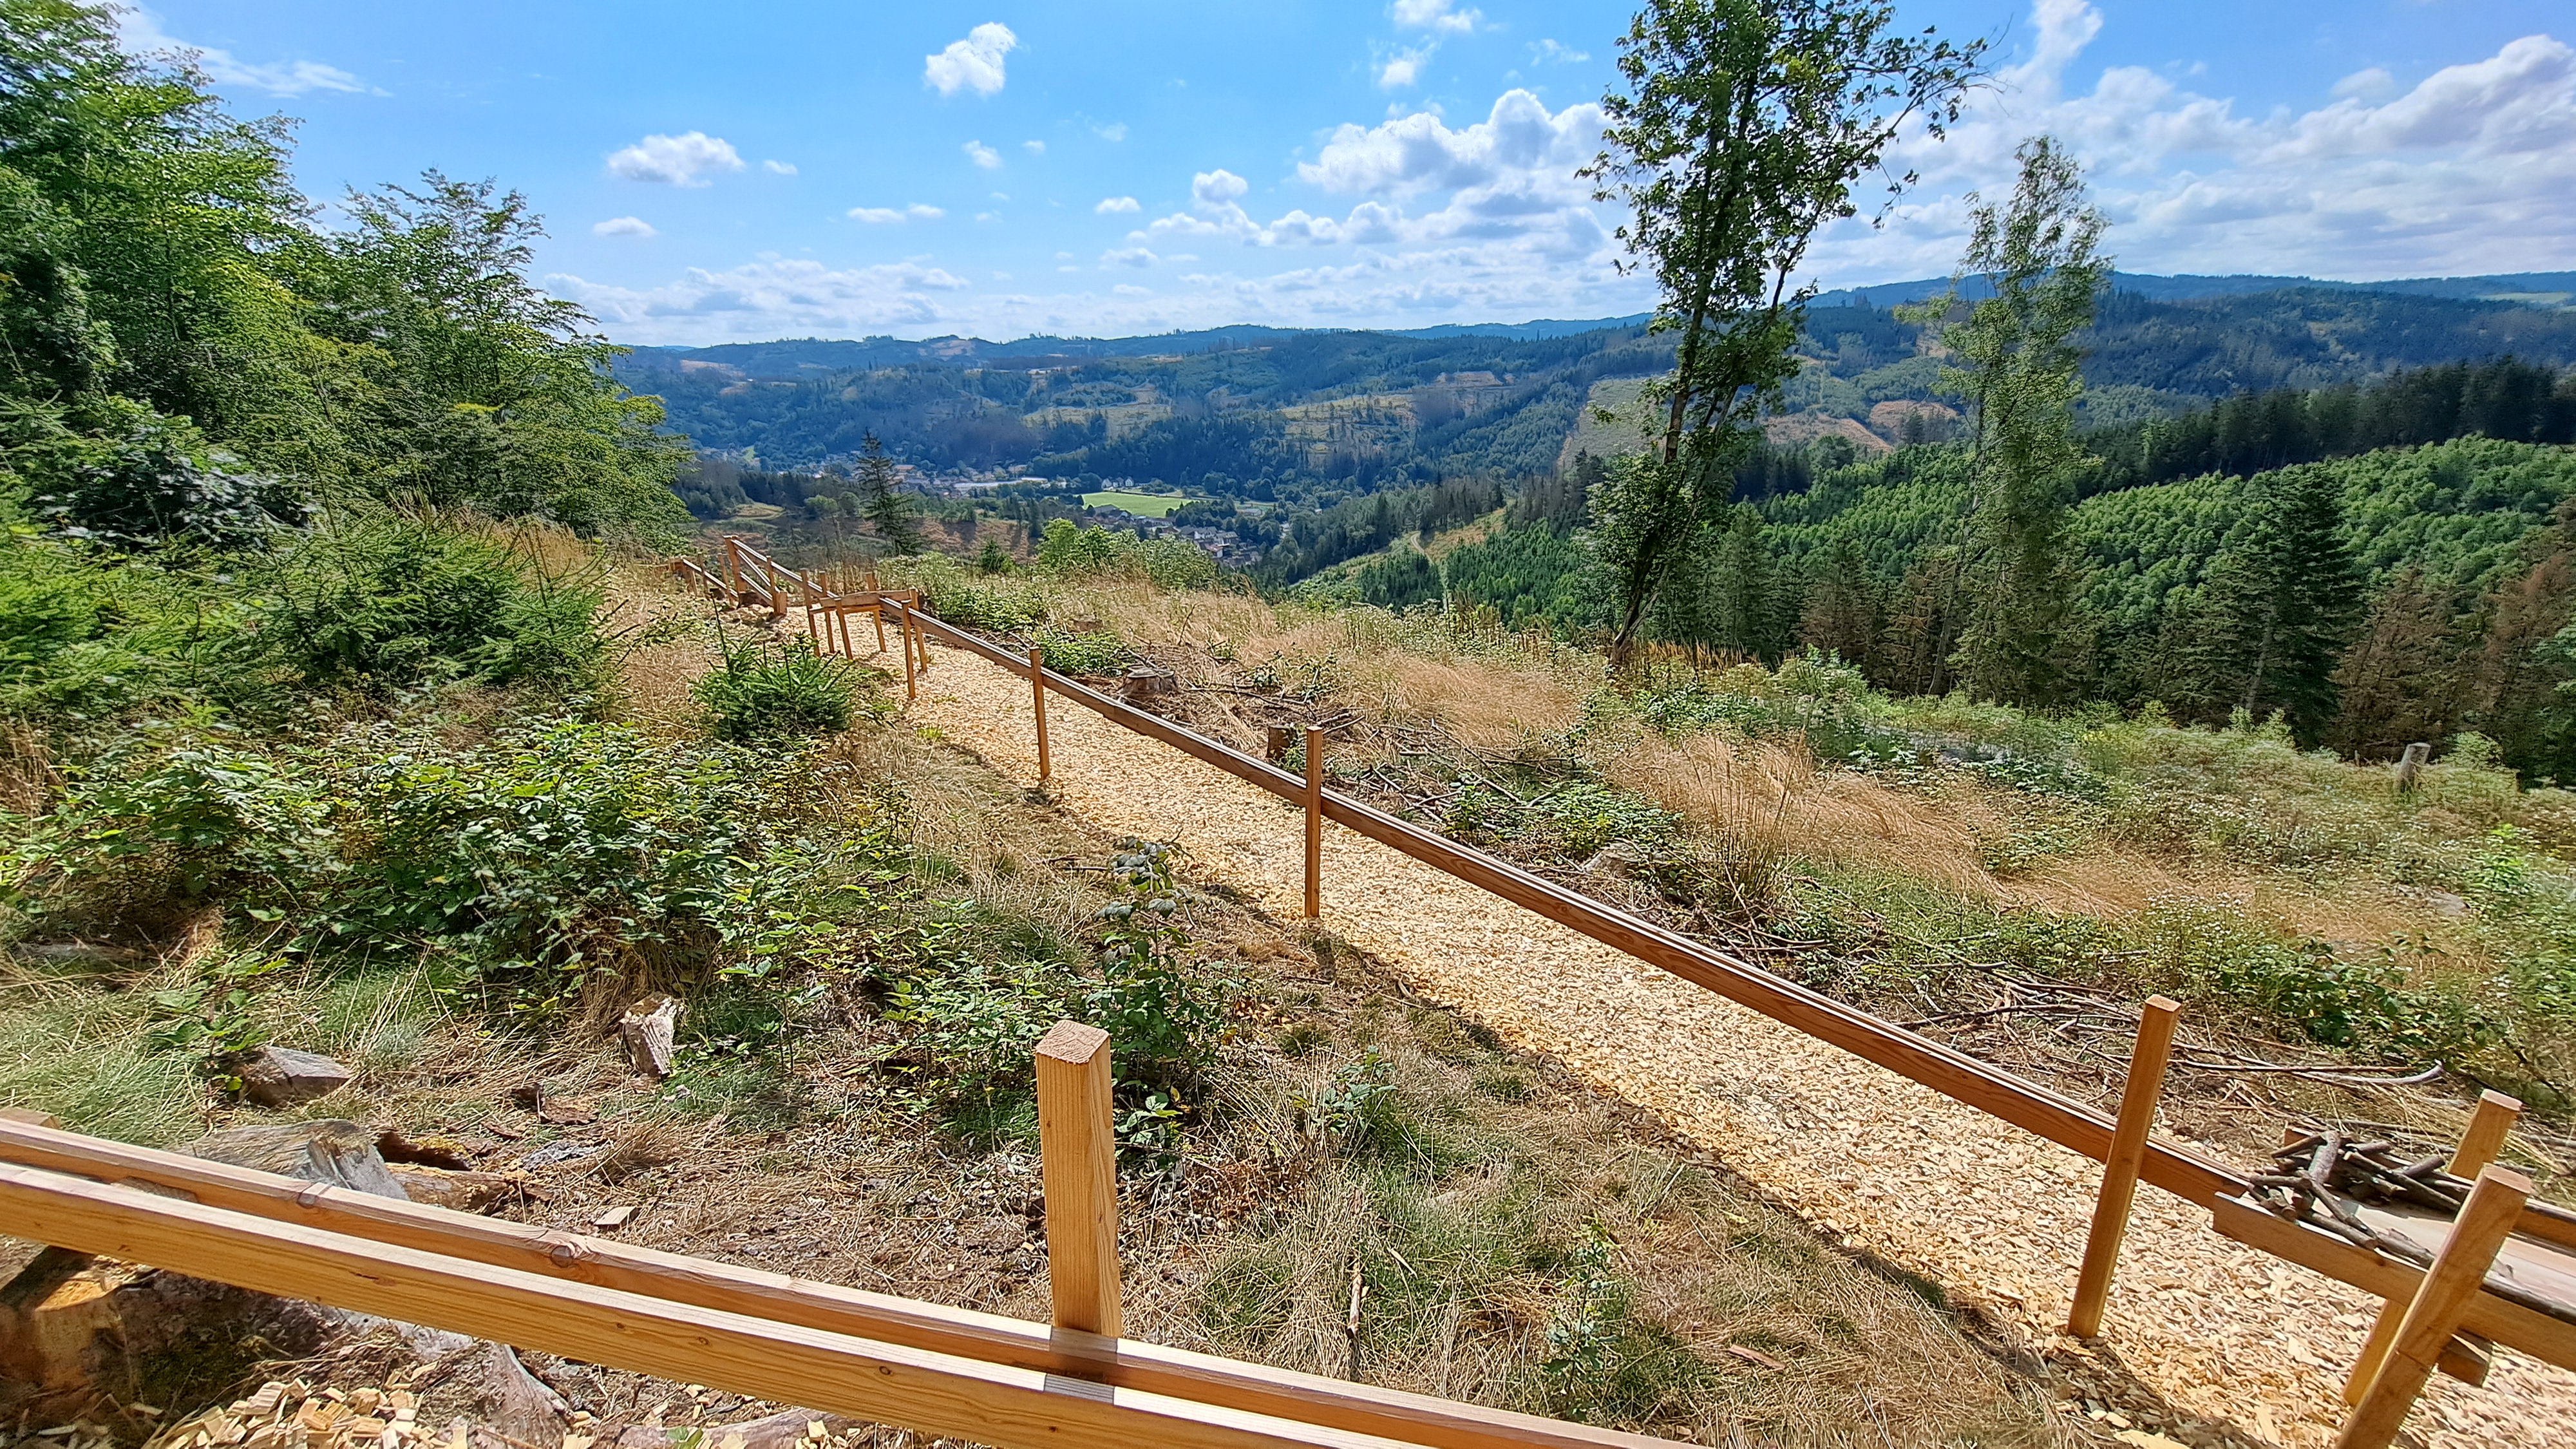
x,y
1311,415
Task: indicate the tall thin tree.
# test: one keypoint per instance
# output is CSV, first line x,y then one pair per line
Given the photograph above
x,y
2018,366
1744,126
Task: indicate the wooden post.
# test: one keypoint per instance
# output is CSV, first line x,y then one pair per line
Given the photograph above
x,y
1037,706
2458,1272
920,636
1314,822
813,620
733,567
879,596
903,636
2476,1153
2120,1174
1078,1160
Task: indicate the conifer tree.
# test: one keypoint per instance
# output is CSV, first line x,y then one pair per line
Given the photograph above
x,y
1922,627
881,502
1841,613
1742,601
2401,680
2273,613
2020,369
2526,665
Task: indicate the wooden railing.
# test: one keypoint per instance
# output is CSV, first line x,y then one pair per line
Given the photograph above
x,y
2128,1154
901,1361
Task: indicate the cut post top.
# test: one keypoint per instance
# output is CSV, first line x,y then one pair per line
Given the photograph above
x,y
1073,1043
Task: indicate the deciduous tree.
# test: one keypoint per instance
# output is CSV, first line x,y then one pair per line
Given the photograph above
x,y
2020,370
1744,126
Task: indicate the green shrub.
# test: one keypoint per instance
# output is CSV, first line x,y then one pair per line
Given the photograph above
x,y
573,847
392,602
2216,950
146,480
1094,651
1073,551
767,693
84,631
1814,698
991,600
165,823
1162,1009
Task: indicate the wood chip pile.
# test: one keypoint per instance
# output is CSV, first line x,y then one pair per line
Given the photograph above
x,y
296,1415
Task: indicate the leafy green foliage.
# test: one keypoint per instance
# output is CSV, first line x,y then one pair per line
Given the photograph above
x,y
1162,1008
174,310
157,483
391,601
1075,551
1090,652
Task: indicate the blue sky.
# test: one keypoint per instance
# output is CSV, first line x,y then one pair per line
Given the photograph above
x,y
727,173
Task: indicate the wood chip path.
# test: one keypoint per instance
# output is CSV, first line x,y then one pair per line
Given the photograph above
x,y
1995,1215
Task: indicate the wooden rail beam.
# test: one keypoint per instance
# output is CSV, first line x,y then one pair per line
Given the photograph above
x,y
783,1362
608,1264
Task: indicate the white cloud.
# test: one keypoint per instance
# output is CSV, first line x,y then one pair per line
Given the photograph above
x,y
1439,16
1130,289
1215,188
762,298
888,216
1129,257
1111,131
687,160
1034,148
1545,52
2472,170
1403,70
1111,205
983,155
1519,140
988,216
974,63
139,32
634,226
779,168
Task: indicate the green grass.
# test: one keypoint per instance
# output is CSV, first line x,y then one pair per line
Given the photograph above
x,y
1143,505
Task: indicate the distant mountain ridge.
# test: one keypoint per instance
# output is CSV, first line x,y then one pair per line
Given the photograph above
x,y
2544,289
806,357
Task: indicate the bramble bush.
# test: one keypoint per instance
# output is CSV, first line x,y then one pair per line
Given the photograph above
x,y
523,866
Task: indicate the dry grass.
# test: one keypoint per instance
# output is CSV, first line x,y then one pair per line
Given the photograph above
x,y
1467,1205
1770,803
